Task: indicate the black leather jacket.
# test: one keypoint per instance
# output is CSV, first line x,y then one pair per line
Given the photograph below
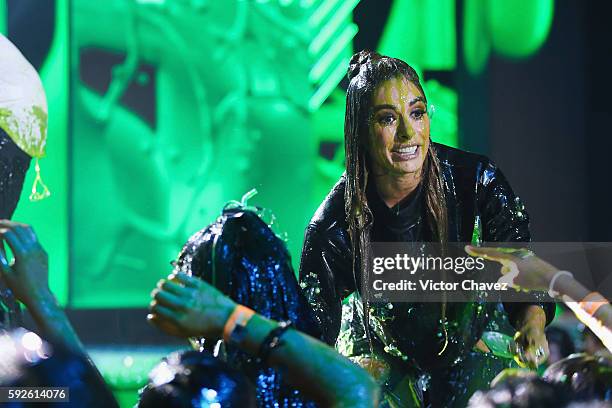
x,y
476,193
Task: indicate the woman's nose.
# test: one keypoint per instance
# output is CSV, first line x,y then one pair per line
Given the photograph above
x,y
405,131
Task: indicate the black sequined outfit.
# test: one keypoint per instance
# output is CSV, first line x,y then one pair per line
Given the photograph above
x,y
407,336
241,256
14,164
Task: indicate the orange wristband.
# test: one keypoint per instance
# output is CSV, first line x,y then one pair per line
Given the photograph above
x,y
592,302
239,317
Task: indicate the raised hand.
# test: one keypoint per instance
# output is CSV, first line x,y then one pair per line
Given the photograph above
x,y
531,344
186,306
27,277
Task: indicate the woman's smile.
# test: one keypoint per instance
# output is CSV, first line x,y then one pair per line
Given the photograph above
x,y
405,153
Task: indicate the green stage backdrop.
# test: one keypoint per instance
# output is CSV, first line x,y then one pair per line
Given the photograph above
x,y
161,111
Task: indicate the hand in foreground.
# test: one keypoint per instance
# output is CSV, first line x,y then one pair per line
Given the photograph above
x,y
186,306
520,267
27,277
531,344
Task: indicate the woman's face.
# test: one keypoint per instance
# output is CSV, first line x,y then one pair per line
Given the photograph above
x,y
398,128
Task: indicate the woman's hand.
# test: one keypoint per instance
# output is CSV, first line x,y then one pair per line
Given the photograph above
x,y
531,344
523,270
27,277
186,306
520,267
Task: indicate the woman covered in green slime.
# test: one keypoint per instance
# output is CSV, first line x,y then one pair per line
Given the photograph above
x,y
399,186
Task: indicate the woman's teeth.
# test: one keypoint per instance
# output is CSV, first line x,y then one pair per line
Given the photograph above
x,y
406,150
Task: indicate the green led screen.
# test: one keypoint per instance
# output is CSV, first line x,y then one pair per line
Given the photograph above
x,y
177,109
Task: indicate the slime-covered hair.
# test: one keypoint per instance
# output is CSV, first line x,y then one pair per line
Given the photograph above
x,y
241,256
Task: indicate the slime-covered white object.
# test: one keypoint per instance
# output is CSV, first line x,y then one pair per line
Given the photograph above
x,y
23,104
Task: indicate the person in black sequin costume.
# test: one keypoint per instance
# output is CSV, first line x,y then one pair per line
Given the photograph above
x,y
238,267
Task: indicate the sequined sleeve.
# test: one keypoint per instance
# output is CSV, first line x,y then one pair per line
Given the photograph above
x,y
326,278
505,219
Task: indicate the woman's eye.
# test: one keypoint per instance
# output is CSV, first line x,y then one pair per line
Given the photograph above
x,y
418,114
386,119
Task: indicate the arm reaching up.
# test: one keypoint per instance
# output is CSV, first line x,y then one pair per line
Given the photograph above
x,y
187,306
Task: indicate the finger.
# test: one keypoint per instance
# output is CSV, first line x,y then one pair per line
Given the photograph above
x,y
534,360
4,223
509,276
537,354
158,286
540,359
489,252
186,280
23,231
495,254
530,359
29,237
13,241
164,312
524,358
520,358
520,352
169,300
175,288
157,319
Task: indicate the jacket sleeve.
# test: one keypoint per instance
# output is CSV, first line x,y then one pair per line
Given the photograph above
x,y
504,219
326,277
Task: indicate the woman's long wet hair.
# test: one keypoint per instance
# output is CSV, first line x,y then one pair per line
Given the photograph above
x,y
367,69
